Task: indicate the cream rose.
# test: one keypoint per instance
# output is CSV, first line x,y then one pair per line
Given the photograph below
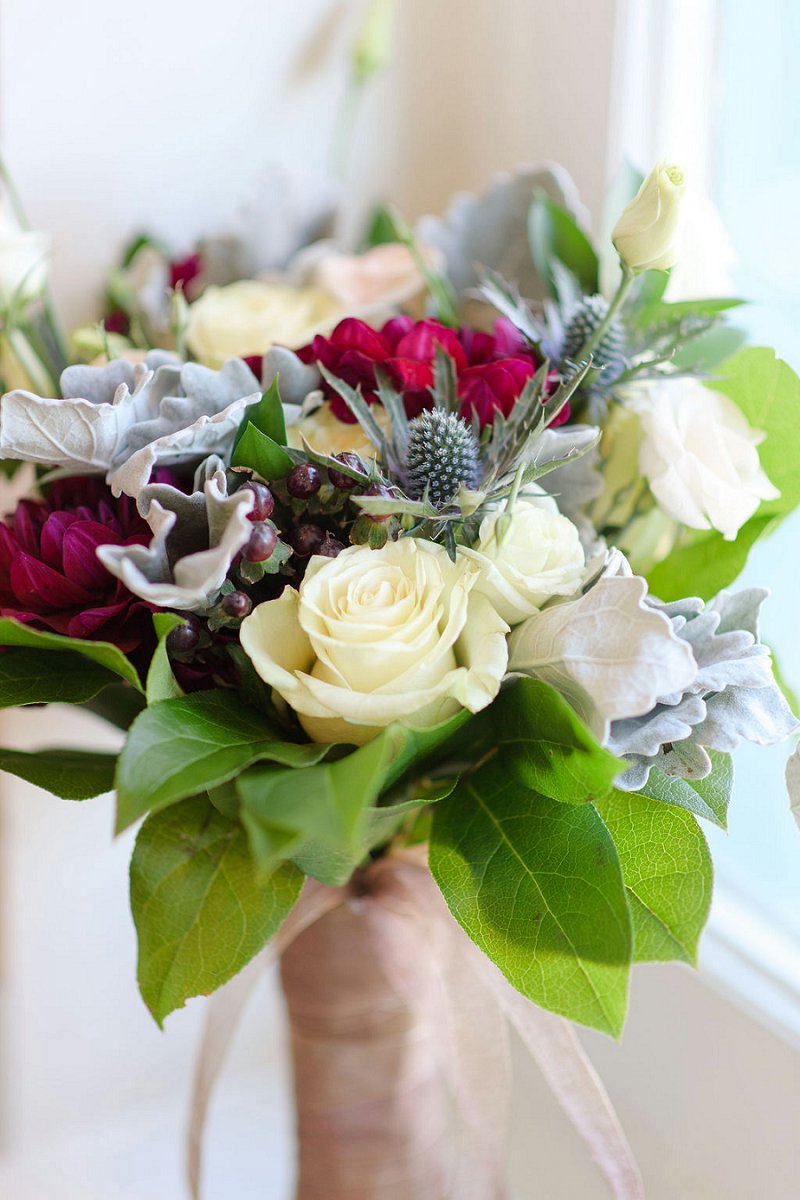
x,y
248,317
377,636
326,434
698,454
647,234
539,556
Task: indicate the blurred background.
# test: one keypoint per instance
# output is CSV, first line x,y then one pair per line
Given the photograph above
x,y
164,115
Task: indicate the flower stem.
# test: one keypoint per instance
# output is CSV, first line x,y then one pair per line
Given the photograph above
x,y
616,304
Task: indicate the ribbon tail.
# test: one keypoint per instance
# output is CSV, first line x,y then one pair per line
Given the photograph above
x,y
224,1012
554,1045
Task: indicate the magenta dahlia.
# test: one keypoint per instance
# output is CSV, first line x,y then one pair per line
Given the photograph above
x,y
50,576
491,368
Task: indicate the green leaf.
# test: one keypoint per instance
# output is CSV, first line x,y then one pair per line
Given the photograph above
x,y
321,816
14,633
161,681
316,816
707,798
555,236
663,312
267,415
180,747
199,910
382,228
561,758
37,677
668,875
706,561
538,886
258,452
118,704
70,774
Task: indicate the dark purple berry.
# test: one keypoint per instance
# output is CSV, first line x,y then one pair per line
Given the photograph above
x,y
303,481
331,546
263,541
183,639
263,501
381,490
236,604
344,482
306,540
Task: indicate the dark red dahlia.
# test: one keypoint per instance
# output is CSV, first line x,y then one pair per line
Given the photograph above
x,y
50,576
184,273
491,368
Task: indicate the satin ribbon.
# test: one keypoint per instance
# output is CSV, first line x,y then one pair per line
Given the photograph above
x,y
473,1006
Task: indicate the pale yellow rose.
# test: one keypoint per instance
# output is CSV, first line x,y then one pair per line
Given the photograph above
x,y
248,317
647,234
378,636
538,557
326,434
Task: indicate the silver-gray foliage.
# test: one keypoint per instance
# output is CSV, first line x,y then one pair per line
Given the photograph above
x,y
734,697
490,231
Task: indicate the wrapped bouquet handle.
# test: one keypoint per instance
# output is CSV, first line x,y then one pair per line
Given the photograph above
x,y
396,1098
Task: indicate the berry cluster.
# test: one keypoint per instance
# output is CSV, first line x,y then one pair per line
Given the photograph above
x,y
308,512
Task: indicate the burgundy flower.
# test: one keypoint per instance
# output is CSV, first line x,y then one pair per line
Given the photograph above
x,y
184,273
50,576
491,368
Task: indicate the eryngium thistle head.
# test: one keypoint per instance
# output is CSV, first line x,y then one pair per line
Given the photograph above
x,y
442,455
609,353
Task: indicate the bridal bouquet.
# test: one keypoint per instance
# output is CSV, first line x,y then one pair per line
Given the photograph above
x,y
428,546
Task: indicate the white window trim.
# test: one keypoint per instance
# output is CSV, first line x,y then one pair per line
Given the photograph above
x,y
663,105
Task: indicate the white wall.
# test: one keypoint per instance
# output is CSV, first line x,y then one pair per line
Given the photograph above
x,y
160,114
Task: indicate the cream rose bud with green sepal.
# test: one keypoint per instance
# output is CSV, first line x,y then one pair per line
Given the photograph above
x,y
536,557
378,636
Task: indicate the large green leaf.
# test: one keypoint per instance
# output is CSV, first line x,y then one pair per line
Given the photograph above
x,y
70,774
555,235
324,817
180,747
14,633
40,677
668,875
200,912
705,563
707,798
562,758
538,886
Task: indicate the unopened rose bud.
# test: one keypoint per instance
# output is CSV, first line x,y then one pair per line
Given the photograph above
x,y
647,233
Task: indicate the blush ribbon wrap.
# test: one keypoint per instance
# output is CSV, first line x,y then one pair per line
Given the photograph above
x,y
399,1029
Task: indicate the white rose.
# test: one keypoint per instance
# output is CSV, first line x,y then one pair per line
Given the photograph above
x,y
377,636
248,317
539,557
23,260
698,453
647,234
